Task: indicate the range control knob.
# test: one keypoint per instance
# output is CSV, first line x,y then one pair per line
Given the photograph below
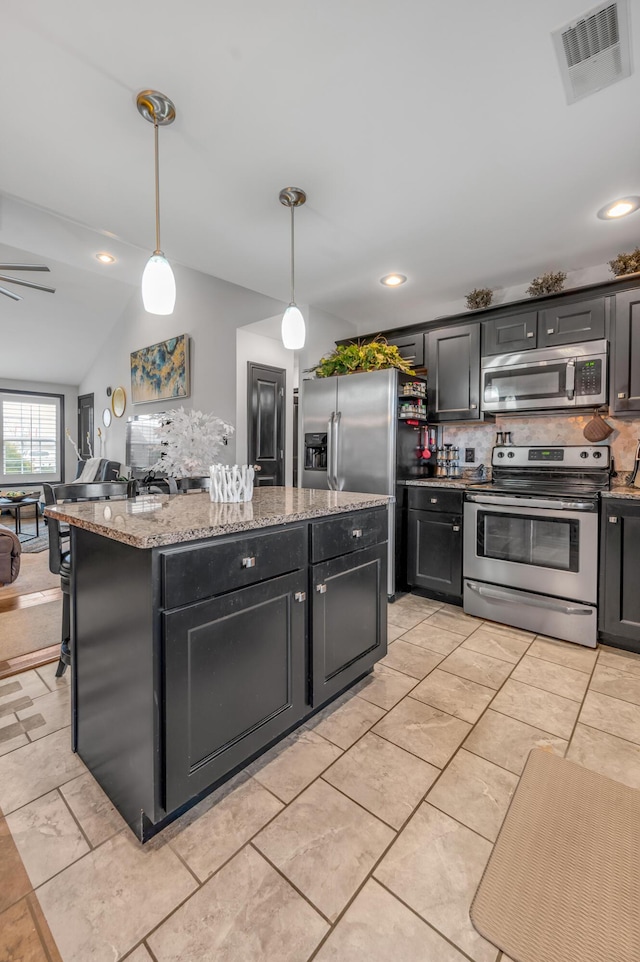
x,y
500,454
511,454
584,454
597,454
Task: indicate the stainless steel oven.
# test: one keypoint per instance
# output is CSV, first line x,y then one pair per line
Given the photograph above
x,y
570,376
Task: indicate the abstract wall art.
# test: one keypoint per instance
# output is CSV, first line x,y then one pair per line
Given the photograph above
x,y
160,372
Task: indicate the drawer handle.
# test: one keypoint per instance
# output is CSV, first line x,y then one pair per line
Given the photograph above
x,y
433,500
472,407
456,527
357,532
300,596
248,562
622,395
530,333
321,589
550,330
613,520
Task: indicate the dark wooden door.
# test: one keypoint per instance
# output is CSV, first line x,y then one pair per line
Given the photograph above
x,y
435,552
453,379
348,619
620,573
625,389
85,425
235,678
513,333
571,323
265,429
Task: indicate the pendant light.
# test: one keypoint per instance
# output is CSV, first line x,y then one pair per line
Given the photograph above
x,y
293,329
158,282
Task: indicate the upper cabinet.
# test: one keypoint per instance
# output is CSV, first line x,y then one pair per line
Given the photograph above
x,y
510,334
568,322
453,375
411,348
625,363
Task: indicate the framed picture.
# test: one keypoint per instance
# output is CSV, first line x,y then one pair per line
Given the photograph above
x,y
160,372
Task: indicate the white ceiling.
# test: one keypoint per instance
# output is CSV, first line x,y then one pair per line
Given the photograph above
x,y
431,138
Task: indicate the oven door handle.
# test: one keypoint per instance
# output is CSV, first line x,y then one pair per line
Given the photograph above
x,y
497,595
497,500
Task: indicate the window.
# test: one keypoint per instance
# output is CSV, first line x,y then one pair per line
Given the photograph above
x,y
30,438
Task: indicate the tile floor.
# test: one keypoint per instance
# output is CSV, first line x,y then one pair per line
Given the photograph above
x,y
362,836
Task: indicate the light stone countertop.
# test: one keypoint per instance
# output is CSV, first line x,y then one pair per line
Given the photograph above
x,y
461,483
625,491
162,519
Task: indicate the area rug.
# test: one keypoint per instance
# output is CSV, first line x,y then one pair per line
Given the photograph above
x,y
563,881
29,629
32,545
34,575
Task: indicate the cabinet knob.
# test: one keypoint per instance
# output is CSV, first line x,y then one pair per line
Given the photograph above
x,y
248,562
622,395
357,532
550,330
472,407
321,589
433,500
456,527
300,596
530,333
612,520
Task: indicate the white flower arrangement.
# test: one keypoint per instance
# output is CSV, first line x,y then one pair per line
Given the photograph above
x,y
191,442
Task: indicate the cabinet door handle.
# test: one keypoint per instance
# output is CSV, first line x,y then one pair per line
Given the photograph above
x,y
612,520
357,532
530,333
456,527
433,500
300,596
550,330
248,562
321,589
472,407
622,395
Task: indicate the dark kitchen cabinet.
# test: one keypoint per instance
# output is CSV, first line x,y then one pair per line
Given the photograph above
x,y
625,363
453,373
510,334
572,322
620,573
410,347
434,560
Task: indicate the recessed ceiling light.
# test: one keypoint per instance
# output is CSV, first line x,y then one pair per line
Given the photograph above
x,y
619,208
105,258
393,280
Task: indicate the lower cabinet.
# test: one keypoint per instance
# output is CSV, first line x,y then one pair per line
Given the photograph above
x,y
434,542
620,573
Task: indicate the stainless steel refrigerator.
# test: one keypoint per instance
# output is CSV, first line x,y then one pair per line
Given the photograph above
x,y
351,438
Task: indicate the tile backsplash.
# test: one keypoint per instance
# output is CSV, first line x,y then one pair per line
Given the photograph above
x,y
545,429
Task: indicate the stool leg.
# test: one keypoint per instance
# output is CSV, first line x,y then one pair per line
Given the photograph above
x,y
65,652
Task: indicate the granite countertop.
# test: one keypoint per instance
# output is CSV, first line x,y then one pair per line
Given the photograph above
x,y
626,491
445,482
162,519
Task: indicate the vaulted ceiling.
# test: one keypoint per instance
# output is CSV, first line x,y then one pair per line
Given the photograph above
x,y
432,139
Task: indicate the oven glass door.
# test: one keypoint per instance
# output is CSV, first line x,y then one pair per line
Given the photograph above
x,y
525,385
529,540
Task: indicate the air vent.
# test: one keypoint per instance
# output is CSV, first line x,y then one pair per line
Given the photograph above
x,y
594,50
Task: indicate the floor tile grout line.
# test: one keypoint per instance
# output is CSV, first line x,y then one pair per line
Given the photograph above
x,y
290,883
576,701
549,661
603,731
564,738
37,926
575,724
77,821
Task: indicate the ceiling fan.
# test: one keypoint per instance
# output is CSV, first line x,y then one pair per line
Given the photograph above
x,y
5,279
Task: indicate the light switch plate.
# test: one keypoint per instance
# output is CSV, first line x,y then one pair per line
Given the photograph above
x,y
469,455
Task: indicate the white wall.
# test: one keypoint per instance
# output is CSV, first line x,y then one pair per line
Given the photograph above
x,y
262,350
70,412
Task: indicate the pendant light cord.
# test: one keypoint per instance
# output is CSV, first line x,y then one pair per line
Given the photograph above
x,y
293,300
157,158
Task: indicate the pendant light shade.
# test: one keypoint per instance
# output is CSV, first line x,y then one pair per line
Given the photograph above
x,y
158,282
293,327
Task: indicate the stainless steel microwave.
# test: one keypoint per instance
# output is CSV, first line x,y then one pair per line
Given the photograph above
x,y
570,376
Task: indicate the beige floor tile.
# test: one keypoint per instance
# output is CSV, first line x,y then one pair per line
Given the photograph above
x,y
383,778
345,720
424,731
551,677
507,741
564,653
417,602
435,866
428,635
209,834
55,708
457,696
394,631
12,734
139,955
405,617
48,675
104,904
537,707
28,684
614,757
97,816
497,644
379,928
519,633
618,684
384,687
293,763
483,669
19,937
610,715
36,769
325,844
246,912
620,659
47,837
455,620
411,659
476,792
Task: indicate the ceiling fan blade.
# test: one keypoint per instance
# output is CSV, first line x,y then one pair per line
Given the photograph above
x,y
37,287
23,267
16,297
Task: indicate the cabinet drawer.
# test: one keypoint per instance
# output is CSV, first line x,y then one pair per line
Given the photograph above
x,y
196,572
436,499
348,532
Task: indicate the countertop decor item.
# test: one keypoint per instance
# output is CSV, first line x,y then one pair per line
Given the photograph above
x,y
479,297
231,482
354,358
118,402
191,442
597,429
628,263
158,282
550,283
160,372
14,495
293,329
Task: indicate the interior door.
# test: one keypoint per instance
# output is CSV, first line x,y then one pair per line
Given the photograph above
x,y
85,425
265,430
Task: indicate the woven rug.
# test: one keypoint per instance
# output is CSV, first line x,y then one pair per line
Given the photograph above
x,y
29,629
563,881
33,545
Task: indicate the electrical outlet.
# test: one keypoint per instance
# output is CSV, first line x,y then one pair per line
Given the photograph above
x,y
469,455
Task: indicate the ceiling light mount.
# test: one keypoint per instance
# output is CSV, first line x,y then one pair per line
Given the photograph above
x,y
619,208
293,329
156,107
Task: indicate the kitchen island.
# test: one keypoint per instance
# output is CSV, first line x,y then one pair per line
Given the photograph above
x,y
202,633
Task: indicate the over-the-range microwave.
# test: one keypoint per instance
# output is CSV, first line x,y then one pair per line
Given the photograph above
x,y
570,376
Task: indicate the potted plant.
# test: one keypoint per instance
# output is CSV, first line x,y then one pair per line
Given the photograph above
x,y
550,283
628,263
357,357
191,442
479,297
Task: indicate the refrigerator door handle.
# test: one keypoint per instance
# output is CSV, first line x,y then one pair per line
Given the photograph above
x,y
336,438
330,476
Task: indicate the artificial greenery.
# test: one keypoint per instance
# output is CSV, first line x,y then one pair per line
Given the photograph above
x,y
479,297
628,263
356,357
550,283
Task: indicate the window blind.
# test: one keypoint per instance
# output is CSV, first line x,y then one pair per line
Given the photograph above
x,y
29,438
